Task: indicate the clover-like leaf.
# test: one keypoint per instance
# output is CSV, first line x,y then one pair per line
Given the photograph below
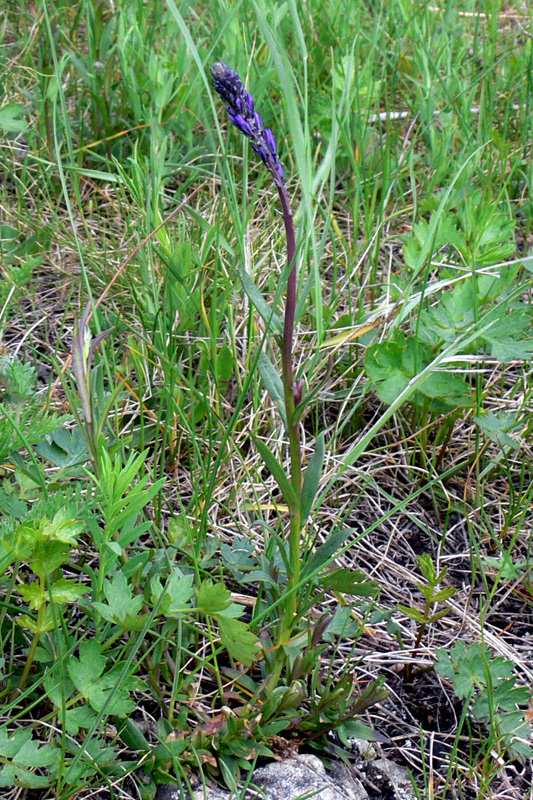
x,y
99,688
122,605
238,639
21,754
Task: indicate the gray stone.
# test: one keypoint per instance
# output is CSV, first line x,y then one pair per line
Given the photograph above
x,y
302,776
305,776
391,779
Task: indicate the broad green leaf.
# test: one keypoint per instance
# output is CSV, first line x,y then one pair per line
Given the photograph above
x,y
47,622
224,363
412,613
12,505
342,624
63,529
177,594
11,776
96,686
79,717
354,729
392,365
212,597
349,581
392,388
10,118
48,556
239,641
444,594
444,385
64,447
180,589
34,594
131,735
312,478
165,752
497,427
122,605
23,754
61,592
428,237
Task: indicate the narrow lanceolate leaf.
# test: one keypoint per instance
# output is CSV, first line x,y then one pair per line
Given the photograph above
x,y
326,551
273,384
260,304
287,490
312,477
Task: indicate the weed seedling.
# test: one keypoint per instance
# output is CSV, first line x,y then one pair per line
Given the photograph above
x,y
432,596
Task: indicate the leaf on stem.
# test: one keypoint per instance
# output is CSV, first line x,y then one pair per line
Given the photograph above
x,y
312,478
259,302
273,384
286,487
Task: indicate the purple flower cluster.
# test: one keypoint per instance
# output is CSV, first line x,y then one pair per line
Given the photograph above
x,y
242,113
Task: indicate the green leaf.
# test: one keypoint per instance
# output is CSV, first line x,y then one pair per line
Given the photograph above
x,y
96,686
167,751
122,605
326,551
80,717
445,386
212,598
64,447
497,426
61,592
131,735
273,384
438,615
444,594
239,641
10,118
428,237
312,478
350,582
412,613
287,490
177,594
24,754
259,302
34,594
63,529
354,729
46,623
393,364
342,624
224,363
12,505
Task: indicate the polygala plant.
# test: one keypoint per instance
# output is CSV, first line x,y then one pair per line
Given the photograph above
x,y
298,490
242,113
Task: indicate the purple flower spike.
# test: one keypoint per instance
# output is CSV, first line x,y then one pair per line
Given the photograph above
x,y
242,113
269,136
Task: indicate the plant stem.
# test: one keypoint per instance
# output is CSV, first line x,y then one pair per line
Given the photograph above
x,y
31,655
293,431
